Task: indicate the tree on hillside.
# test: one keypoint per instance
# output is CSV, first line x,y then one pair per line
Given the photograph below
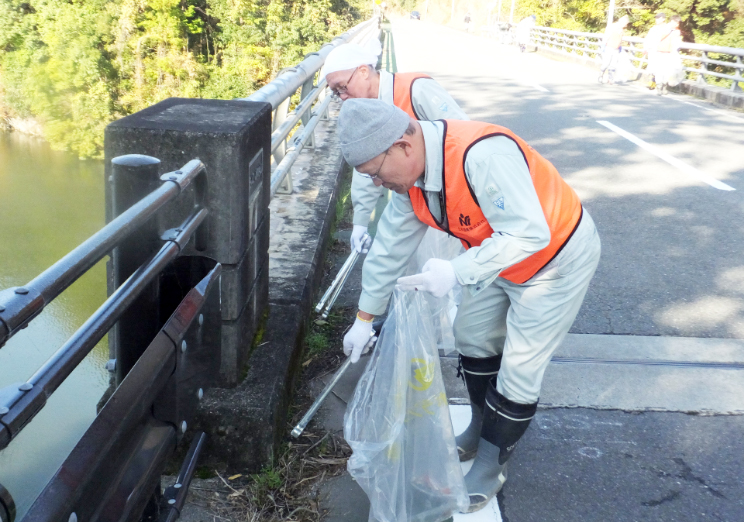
x,y
76,65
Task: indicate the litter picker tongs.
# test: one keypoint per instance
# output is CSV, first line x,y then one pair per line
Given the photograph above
x,y
329,297
297,431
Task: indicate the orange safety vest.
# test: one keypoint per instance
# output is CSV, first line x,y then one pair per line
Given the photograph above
x,y
403,90
465,220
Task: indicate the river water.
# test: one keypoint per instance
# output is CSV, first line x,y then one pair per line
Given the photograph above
x,y
50,202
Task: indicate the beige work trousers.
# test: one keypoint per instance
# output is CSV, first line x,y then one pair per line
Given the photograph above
x,y
527,322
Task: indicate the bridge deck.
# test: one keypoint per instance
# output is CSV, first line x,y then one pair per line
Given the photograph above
x,y
620,438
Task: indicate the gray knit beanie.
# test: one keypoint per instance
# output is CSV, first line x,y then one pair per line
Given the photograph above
x,y
367,128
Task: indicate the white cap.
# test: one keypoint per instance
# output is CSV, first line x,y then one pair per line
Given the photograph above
x,y
350,56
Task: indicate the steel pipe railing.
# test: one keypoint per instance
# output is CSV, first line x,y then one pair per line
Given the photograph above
x,y
132,432
576,42
20,402
280,135
18,306
279,92
287,84
282,170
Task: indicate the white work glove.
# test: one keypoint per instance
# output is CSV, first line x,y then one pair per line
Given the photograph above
x,y
356,239
437,277
359,339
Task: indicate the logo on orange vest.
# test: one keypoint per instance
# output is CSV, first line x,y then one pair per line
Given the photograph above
x,y
464,221
468,229
499,203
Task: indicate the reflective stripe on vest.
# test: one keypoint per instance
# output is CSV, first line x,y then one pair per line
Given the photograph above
x,y
402,91
465,220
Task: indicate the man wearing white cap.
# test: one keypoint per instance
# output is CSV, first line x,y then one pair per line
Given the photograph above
x,y
531,250
350,71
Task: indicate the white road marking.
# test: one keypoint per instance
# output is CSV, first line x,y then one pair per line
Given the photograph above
x,y
540,87
698,106
721,112
681,165
460,416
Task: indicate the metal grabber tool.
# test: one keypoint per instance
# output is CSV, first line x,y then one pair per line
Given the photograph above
x,y
329,297
297,431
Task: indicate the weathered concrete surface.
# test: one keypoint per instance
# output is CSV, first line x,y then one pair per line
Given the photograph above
x,y
232,139
717,95
246,424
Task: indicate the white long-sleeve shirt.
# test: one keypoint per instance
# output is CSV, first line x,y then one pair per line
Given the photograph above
x,y
500,178
431,102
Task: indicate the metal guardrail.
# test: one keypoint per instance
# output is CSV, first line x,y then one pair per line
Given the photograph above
x,y
119,457
287,139
727,62
18,306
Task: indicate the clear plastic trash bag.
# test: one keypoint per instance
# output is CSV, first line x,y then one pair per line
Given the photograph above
x,y
398,423
438,245
676,70
624,71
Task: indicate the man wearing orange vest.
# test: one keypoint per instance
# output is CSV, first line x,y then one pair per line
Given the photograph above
x,y
531,250
350,72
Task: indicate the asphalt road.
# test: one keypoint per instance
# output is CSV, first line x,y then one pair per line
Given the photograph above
x,y
642,422
672,244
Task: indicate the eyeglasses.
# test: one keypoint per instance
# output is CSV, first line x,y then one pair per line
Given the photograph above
x,y
338,91
376,175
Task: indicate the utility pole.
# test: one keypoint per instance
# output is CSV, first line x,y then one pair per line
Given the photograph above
x,y
498,17
611,13
511,13
452,16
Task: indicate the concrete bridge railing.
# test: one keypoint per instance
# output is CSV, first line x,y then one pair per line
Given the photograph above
x,y
702,62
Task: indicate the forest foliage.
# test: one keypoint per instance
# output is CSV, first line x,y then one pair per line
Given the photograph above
x,y
76,65
714,22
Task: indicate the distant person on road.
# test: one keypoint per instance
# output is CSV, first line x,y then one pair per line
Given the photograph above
x,y
665,63
350,72
531,251
468,23
523,30
612,47
651,43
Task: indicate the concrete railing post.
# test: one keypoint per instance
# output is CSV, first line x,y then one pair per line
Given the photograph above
x,y
233,140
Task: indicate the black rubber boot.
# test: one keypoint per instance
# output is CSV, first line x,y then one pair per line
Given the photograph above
x,y
504,423
476,372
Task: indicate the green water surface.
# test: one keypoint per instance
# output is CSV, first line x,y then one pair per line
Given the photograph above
x,y
50,202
